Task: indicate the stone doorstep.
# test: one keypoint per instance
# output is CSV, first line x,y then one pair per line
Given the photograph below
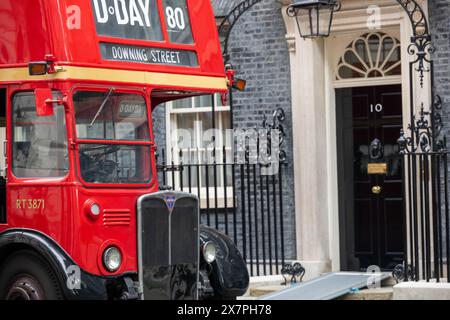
x,y
422,290
260,286
365,294
270,283
262,291
389,291
266,281
370,294
277,280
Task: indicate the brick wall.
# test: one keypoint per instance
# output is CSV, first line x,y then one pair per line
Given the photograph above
x,y
440,29
259,54
439,19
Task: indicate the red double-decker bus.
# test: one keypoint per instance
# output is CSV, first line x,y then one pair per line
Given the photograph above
x,y
81,213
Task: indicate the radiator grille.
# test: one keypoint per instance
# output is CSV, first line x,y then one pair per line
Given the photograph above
x,y
169,246
116,217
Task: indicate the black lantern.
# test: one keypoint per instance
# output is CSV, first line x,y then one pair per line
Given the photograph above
x,y
314,17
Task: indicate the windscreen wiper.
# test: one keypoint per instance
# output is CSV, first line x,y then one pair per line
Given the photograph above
x,y
102,106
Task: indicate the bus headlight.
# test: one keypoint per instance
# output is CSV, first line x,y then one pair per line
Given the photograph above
x,y
209,251
112,259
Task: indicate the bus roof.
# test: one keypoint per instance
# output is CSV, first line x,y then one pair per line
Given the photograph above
x,y
153,41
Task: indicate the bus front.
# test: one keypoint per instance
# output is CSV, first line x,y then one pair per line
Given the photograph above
x,y
85,218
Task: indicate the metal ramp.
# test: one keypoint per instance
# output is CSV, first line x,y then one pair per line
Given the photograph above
x,y
328,286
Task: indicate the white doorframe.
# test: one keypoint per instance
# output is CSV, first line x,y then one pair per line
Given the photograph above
x,y
341,40
348,24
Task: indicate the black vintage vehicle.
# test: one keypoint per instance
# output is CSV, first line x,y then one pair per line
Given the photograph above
x,y
199,263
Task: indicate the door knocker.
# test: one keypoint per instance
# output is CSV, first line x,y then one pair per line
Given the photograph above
x,y
376,150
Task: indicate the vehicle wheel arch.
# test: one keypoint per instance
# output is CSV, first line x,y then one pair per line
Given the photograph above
x,y
7,250
16,240
91,286
39,272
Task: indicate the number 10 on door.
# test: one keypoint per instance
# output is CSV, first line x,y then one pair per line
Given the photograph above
x,y
376,108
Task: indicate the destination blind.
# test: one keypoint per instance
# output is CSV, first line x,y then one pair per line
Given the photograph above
x,y
149,55
132,109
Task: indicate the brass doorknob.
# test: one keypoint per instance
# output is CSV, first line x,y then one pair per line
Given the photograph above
x,y
376,190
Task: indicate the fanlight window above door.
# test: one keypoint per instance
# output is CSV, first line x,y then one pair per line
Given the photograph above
x,y
372,55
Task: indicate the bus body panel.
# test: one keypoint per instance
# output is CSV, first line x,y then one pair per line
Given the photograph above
x,y
66,30
55,207
59,213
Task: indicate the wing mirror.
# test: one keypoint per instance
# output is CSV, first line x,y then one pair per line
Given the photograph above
x,y
45,101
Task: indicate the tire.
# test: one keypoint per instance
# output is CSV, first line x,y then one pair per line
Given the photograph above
x,y
27,276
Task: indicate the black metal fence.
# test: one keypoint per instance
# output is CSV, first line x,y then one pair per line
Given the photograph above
x,y
428,215
427,226
238,198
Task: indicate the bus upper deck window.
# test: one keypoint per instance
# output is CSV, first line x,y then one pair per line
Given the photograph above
x,y
128,20
177,21
39,143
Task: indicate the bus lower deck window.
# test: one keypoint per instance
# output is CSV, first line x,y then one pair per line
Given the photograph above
x,y
39,143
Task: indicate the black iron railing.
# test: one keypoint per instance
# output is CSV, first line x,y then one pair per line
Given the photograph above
x,y
241,197
427,229
238,199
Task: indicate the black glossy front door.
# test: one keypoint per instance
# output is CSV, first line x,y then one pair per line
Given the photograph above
x,y
369,120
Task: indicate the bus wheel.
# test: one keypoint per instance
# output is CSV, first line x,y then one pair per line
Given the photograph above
x,y
26,276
